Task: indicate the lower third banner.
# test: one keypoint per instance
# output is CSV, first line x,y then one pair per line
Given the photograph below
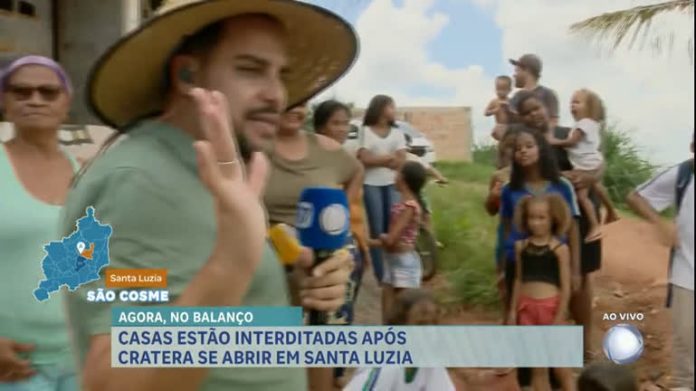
x,y
346,346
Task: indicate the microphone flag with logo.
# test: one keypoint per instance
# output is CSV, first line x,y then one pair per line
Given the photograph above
x,y
323,223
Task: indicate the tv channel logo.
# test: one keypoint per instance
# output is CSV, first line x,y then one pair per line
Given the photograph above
x,y
623,344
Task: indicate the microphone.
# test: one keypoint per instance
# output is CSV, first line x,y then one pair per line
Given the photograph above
x,y
323,223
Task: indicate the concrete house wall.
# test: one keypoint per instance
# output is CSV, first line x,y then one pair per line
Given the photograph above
x,y
75,33
448,128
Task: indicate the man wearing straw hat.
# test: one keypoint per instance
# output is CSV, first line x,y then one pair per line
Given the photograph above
x,y
179,192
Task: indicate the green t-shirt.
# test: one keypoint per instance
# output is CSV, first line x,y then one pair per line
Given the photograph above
x,y
26,226
147,188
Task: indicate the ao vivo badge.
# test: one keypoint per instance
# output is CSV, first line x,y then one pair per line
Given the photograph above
x,y
323,223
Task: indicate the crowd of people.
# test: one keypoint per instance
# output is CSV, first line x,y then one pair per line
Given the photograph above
x,y
548,192
211,150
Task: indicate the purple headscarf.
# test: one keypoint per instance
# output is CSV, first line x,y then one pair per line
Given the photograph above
x,y
36,60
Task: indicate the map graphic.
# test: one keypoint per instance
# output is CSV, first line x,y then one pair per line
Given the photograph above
x,y
77,259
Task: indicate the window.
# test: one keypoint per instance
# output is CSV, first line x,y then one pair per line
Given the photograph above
x,y
6,5
27,9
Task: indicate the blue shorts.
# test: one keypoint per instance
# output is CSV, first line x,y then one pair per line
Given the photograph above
x,y
402,270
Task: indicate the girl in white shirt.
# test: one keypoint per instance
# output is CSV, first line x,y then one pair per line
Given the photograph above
x,y
582,145
382,150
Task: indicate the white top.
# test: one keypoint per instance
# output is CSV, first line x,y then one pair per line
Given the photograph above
x,y
660,192
394,379
585,155
395,141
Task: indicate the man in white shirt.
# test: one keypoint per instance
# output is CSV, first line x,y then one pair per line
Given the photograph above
x,y
675,187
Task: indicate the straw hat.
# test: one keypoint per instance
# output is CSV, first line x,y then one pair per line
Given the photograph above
x,y
126,83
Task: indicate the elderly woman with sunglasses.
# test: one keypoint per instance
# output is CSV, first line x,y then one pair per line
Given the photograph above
x,y
35,173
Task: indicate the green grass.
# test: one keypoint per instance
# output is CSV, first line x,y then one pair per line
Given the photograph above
x,y
626,166
485,154
478,173
462,224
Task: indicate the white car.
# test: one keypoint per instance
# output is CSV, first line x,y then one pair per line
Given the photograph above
x,y
417,143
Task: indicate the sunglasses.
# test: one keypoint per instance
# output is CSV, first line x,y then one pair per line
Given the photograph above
x,y
47,92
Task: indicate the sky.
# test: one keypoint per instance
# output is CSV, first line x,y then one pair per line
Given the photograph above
x,y
447,53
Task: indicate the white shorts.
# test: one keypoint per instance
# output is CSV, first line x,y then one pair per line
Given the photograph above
x,y
402,270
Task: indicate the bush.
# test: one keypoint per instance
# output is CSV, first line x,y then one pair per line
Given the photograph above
x,y
468,233
466,172
625,168
486,154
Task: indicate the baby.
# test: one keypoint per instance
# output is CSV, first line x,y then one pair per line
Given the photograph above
x,y
499,106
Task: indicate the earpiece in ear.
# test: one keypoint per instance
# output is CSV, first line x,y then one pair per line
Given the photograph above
x,y
186,75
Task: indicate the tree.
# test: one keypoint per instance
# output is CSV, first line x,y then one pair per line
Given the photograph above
x,y
624,162
617,25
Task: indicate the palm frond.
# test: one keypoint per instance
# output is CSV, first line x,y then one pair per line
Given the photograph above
x,y
617,25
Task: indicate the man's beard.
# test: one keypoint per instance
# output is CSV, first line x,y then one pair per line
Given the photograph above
x,y
519,82
245,148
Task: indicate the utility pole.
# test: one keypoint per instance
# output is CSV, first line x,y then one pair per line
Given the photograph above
x,y
132,15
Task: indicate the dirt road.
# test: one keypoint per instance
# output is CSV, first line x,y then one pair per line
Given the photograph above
x,y
632,279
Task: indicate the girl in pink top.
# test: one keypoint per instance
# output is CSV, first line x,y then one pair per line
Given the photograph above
x,y
402,265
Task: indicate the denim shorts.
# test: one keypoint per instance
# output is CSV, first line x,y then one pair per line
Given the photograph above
x,y
402,270
47,378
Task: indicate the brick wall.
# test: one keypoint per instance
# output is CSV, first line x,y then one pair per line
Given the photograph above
x,y
448,128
